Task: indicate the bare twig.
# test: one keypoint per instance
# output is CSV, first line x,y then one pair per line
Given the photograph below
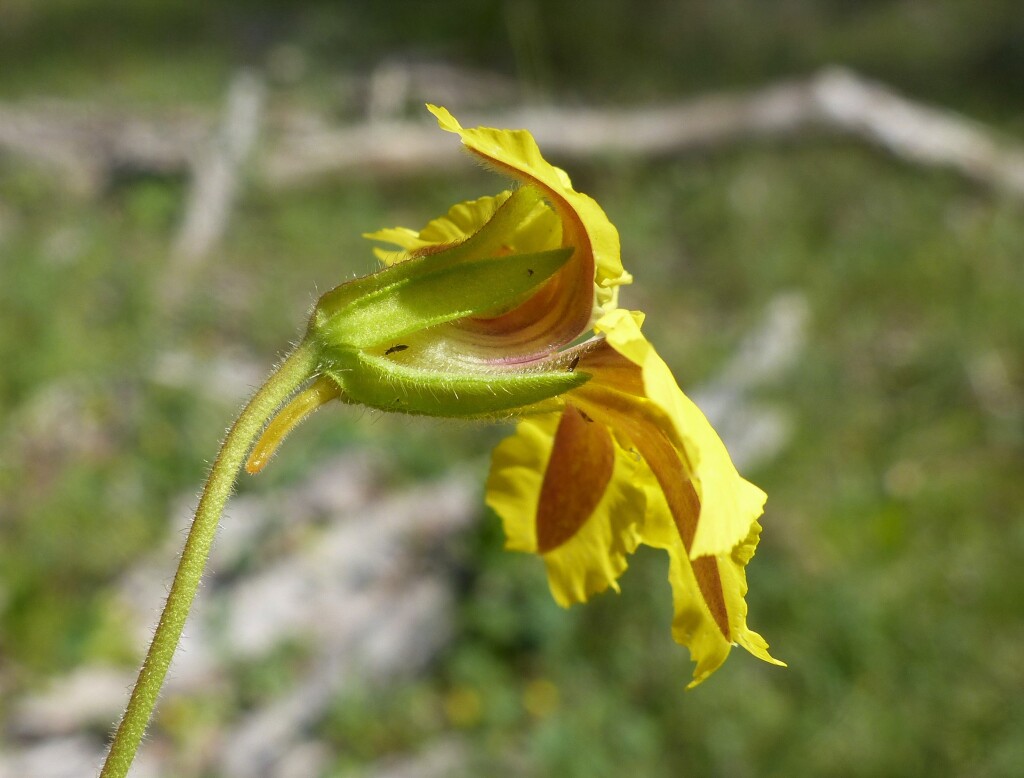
x,y
87,148
918,133
835,101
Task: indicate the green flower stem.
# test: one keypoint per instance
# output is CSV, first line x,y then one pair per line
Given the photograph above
x,y
300,366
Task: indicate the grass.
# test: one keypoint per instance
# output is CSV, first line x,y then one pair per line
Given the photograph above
x,y
889,568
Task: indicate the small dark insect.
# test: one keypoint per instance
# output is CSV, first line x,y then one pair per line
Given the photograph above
x,y
529,272
575,361
585,417
394,349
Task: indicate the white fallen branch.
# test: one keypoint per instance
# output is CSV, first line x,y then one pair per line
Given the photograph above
x,y
301,148
835,100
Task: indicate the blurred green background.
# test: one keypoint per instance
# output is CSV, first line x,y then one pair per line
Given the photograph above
x,y
889,575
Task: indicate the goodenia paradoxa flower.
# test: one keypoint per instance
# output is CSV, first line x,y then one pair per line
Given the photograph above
x,y
506,308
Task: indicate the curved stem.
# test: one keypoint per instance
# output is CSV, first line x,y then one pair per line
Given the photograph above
x,y
292,373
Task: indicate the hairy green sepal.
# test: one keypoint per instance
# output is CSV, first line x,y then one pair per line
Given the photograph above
x,y
357,326
401,305
380,382
474,277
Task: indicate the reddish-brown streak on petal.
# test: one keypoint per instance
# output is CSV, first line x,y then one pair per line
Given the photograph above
x,y
575,282
436,248
519,317
674,479
581,464
685,506
609,368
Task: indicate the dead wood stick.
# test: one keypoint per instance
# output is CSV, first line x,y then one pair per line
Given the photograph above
x,y
834,100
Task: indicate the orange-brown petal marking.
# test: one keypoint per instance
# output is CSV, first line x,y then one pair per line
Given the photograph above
x,y
610,369
685,507
580,466
729,503
595,269
627,414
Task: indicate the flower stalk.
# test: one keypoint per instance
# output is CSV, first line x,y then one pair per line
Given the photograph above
x,y
294,371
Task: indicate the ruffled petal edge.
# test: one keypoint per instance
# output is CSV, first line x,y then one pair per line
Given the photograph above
x,y
594,557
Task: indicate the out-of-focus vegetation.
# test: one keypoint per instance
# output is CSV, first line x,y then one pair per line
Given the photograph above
x,y
889,574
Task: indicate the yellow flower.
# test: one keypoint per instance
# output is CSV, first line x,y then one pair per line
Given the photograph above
x,y
473,316
632,460
557,216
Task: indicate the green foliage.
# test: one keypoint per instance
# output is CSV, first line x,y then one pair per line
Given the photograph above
x,y
888,575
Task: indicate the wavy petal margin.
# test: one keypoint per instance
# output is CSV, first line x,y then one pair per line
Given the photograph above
x,y
693,625
579,515
729,503
459,223
684,463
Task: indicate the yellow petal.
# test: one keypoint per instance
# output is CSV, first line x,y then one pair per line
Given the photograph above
x,y
729,503
402,237
463,219
516,476
708,590
459,223
586,227
408,240
564,489
693,625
